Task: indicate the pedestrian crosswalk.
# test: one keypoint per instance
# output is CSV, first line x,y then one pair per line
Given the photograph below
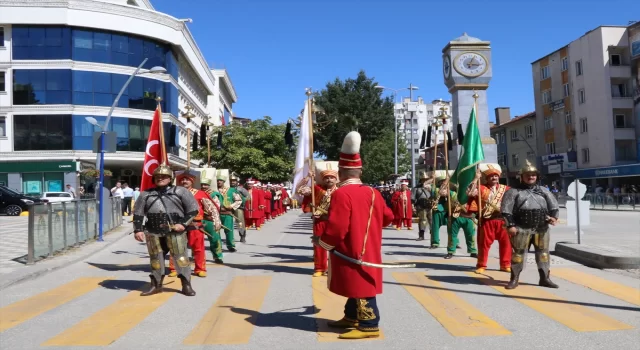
x,y
234,315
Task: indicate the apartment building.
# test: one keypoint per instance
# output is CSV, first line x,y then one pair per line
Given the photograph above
x,y
423,116
516,142
584,110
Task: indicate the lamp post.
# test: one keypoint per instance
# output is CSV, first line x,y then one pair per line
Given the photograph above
x,y
188,115
103,130
395,121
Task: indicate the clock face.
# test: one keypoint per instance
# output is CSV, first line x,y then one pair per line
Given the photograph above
x,y
446,66
470,64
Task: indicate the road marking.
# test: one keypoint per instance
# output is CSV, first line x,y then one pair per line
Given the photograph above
x,y
455,314
616,290
329,307
24,310
112,322
577,317
232,318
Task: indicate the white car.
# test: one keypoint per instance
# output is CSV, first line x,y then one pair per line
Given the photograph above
x,y
53,197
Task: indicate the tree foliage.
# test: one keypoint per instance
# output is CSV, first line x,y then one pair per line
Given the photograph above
x,y
355,104
257,149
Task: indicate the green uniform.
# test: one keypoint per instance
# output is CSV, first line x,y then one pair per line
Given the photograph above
x,y
215,242
229,198
438,218
467,226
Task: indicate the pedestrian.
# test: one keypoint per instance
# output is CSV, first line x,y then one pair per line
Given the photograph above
x,y
356,218
169,210
528,210
127,200
71,191
118,192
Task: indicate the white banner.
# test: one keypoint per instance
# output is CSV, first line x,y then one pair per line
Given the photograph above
x,y
303,155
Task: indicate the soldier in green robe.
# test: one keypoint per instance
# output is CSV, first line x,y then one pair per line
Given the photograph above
x,y
231,201
460,219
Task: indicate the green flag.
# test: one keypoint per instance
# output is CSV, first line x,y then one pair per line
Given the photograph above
x,y
471,155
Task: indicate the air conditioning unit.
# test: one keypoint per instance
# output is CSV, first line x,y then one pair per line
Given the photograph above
x,y
127,172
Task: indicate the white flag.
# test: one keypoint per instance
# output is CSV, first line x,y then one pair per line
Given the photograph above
x,y
303,155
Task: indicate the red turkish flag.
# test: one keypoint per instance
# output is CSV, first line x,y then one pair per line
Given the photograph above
x,y
153,156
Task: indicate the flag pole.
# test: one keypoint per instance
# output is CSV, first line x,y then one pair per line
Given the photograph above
x,y
435,156
478,186
164,147
188,115
310,121
444,117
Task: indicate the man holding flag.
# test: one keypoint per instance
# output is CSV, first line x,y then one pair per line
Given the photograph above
x,y
465,174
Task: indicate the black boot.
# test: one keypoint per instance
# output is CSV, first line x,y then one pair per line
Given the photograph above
x,y
513,283
474,255
243,239
186,287
155,287
420,235
448,256
545,281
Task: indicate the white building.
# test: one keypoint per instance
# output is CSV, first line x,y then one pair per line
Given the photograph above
x,y
62,61
584,109
423,116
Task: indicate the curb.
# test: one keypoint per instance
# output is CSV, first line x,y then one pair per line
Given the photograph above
x,y
64,263
593,256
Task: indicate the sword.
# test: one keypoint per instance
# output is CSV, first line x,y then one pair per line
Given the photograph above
x,y
368,264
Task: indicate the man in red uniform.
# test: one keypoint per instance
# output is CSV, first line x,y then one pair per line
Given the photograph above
x,y
356,218
195,231
491,222
267,202
285,198
252,206
402,208
260,193
322,196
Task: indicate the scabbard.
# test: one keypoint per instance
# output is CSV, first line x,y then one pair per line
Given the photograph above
x,y
368,264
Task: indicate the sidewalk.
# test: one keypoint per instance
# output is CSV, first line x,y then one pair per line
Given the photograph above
x,y
13,272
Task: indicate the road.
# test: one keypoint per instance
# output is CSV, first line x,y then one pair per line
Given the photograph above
x,y
265,298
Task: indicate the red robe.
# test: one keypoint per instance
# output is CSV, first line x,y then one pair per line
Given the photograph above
x,y
196,236
346,229
267,204
491,225
319,226
402,209
252,205
285,195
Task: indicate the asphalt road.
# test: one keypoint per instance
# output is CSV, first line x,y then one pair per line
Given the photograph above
x,y
265,298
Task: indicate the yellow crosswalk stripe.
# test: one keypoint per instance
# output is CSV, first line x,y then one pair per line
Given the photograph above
x,y
24,310
577,317
107,325
455,314
231,319
616,290
329,307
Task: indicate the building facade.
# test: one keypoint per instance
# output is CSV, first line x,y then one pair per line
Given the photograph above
x,y
63,61
584,110
516,142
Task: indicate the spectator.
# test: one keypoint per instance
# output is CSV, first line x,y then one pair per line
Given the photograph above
x,y
127,192
71,190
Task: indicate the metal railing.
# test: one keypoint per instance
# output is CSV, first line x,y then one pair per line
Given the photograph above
x,y
618,201
57,226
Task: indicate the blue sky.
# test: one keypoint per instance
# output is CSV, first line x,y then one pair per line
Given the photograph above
x,y
273,49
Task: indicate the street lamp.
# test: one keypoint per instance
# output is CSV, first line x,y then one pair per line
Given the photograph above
x,y
103,129
413,156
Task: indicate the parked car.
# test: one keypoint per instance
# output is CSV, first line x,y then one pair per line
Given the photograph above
x,y
57,197
13,203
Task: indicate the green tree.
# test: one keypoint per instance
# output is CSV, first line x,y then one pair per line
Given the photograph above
x,y
257,149
378,158
355,104
351,104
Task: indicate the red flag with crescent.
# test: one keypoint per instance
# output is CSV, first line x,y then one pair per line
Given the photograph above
x,y
153,155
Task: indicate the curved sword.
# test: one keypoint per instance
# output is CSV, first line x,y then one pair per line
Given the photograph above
x,y
364,263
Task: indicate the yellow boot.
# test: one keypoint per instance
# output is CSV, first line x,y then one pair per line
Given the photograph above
x,y
505,269
358,334
343,323
397,228
480,270
173,274
202,274
317,274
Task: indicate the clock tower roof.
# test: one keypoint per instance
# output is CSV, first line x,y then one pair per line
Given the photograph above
x,y
466,38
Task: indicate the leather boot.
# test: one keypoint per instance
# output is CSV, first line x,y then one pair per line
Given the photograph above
x,y
243,239
513,283
420,235
155,287
545,281
186,287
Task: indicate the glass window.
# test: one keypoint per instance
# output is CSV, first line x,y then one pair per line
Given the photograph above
x,y
120,126
1,36
42,132
102,82
82,45
101,47
53,182
32,184
58,79
135,51
3,127
3,86
36,43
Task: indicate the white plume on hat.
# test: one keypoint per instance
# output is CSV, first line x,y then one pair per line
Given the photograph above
x,y
351,143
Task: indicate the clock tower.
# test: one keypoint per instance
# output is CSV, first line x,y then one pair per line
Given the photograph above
x,y
466,66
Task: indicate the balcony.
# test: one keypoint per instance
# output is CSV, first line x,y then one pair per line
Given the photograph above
x,y
625,101
621,71
624,133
